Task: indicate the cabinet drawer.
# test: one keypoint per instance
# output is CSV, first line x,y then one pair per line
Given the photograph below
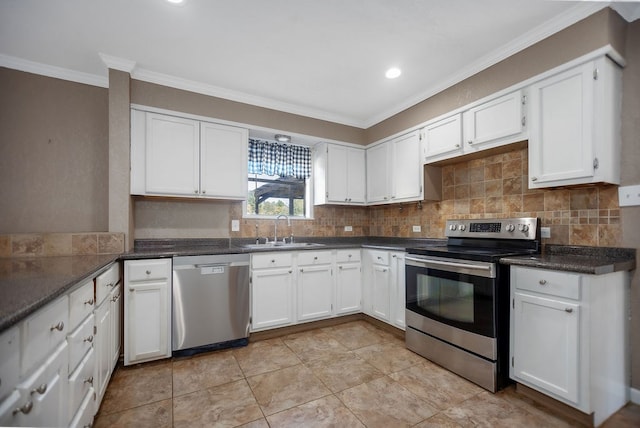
x,y
81,304
80,342
7,416
379,257
148,270
81,381
346,256
43,331
269,260
561,284
306,258
9,360
106,281
84,415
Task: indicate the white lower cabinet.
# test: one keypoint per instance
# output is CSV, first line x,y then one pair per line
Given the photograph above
x,y
568,333
272,291
384,286
314,285
397,290
348,281
81,383
147,310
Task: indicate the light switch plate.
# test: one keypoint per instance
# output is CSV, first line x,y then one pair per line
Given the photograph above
x,y
348,229
629,196
417,228
235,225
545,232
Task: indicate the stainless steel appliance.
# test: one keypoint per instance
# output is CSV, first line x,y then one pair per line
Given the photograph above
x,y
210,307
457,297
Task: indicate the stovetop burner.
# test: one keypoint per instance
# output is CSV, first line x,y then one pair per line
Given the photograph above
x,y
486,240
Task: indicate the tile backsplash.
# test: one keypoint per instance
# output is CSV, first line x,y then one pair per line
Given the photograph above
x,y
493,186
61,244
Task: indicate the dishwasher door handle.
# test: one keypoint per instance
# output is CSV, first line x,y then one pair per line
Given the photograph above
x,y
231,264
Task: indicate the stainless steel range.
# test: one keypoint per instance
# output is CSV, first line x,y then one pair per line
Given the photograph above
x,y
457,297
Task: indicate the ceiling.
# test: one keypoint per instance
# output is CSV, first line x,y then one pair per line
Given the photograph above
x,y
319,58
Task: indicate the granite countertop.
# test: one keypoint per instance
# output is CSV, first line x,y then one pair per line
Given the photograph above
x,y
589,260
28,283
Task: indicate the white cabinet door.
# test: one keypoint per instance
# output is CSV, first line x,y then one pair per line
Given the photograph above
x,y
102,340
337,173
172,155
406,169
378,173
380,293
272,298
348,288
561,145
397,290
115,327
356,176
494,123
546,348
147,321
315,292
343,174
223,161
443,139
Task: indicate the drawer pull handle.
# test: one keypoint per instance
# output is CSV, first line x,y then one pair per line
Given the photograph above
x,y
40,390
568,310
89,380
89,302
148,272
59,326
542,282
24,409
88,339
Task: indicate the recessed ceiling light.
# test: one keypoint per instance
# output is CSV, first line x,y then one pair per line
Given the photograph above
x,y
175,1
393,72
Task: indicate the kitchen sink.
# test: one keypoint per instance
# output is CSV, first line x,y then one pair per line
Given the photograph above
x,y
283,245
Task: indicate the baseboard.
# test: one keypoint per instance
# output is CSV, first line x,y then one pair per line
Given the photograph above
x,y
634,396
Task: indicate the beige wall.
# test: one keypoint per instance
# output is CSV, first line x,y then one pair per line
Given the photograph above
x,y
53,155
600,29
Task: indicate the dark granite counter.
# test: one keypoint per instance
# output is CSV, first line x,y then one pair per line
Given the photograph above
x,y
589,260
29,283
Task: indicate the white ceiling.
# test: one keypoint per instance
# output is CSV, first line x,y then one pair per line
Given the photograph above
x,y
319,58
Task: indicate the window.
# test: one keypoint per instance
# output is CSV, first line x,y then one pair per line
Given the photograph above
x,y
279,179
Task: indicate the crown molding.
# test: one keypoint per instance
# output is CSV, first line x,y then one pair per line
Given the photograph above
x,y
629,10
117,63
53,71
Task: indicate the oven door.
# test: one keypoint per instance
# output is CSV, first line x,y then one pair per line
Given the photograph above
x,y
457,293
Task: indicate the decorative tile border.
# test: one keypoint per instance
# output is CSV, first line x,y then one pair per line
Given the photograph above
x,y
61,244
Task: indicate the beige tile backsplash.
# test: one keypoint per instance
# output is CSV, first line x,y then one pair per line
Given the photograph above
x,y
61,244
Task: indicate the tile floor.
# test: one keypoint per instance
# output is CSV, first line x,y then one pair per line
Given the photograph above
x,y
349,375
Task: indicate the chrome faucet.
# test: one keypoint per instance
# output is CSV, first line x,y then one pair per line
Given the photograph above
x,y
275,226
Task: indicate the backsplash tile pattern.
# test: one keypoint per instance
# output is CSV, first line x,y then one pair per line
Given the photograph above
x,y
61,244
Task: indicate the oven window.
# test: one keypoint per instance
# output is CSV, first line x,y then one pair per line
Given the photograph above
x,y
446,298
460,300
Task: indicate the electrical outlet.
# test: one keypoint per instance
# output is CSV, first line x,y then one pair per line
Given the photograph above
x,y
545,232
348,229
235,225
629,196
417,228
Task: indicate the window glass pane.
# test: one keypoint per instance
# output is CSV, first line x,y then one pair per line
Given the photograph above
x,y
273,195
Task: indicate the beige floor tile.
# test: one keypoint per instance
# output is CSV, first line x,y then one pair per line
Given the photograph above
x,y
313,344
204,371
356,334
480,409
324,412
547,417
138,385
260,423
439,420
436,385
265,356
389,357
385,403
154,415
226,405
343,371
286,388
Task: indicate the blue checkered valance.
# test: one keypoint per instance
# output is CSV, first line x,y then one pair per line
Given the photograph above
x,y
270,158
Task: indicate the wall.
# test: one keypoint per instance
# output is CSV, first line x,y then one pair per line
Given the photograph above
x,y
53,155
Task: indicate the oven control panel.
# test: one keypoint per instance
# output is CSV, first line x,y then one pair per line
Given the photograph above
x,y
504,228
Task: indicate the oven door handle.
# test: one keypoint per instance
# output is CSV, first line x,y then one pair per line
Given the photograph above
x,y
488,268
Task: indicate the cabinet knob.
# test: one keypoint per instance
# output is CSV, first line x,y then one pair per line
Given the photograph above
x,y
457,145
315,258
115,298
148,272
349,255
568,310
301,270
195,191
40,390
89,302
88,339
59,326
89,380
534,178
542,282
340,267
24,409
204,191
273,260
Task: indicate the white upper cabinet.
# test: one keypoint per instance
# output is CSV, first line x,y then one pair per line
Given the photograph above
x,y
339,173
406,168
443,138
494,123
175,156
575,126
378,174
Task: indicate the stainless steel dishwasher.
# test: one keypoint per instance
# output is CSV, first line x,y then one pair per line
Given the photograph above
x,y
210,308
